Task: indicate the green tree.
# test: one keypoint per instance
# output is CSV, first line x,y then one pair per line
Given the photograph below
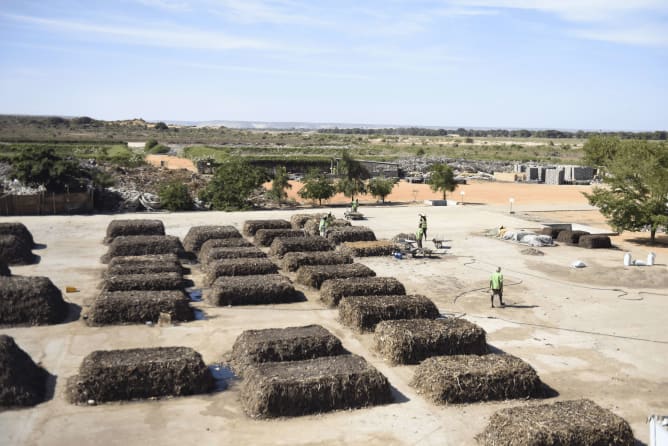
x,y
635,195
442,178
380,187
232,185
279,185
36,166
174,196
600,150
150,144
161,126
353,173
317,187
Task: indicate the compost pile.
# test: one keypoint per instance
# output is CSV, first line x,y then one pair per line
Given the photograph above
x,y
333,290
292,261
15,250
412,340
138,307
30,301
252,226
293,388
594,241
314,276
570,237
351,234
117,228
215,254
4,269
264,237
312,227
164,263
281,246
283,344
362,313
472,378
198,235
140,373
22,382
211,244
576,422
238,267
142,245
252,290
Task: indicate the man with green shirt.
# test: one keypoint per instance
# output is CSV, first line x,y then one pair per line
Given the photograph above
x,y
496,285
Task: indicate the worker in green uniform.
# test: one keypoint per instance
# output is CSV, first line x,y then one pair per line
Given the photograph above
x,y
423,224
418,235
496,285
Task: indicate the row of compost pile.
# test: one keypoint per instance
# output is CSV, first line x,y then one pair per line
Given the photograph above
x,y
283,344
18,230
118,228
293,388
198,235
292,261
252,226
362,313
142,245
297,221
22,382
368,249
332,290
165,263
265,237
576,422
211,244
281,246
410,341
138,307
30,301
312,226
314,276
15,250
473,378
340,235
119,375
260,289
215,254
238,267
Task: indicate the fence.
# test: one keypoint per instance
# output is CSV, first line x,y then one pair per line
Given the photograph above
x,y
46,203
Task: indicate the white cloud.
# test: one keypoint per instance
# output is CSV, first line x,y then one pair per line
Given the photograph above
x,y
648,35
170,5
163,36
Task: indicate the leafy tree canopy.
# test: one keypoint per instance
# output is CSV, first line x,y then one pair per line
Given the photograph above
x,y
635,195
279,185
380,187
442,179
317,187
232,185
37,166
174,196
353,173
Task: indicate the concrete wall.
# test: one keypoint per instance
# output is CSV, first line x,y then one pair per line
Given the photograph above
x,y
46,203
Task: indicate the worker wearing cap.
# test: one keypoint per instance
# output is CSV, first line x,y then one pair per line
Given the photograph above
x,y
496,285
325,220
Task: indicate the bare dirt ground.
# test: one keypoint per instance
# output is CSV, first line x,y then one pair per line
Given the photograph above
x,y
597,332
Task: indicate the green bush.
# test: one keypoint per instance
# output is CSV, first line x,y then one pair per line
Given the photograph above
x,y
175,197
158,150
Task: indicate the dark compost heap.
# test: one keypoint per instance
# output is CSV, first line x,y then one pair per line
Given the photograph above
x,y
140,373
22,382
252,290
30,301
19,230
410,341
362,313
293,260
138,307
314,276
15,250
265,237
368,249
281,246
197,235
238,267
333,290
119,228
252,226
143,245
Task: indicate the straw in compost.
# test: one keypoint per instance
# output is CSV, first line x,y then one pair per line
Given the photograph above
x,y
575,422
293,260
166,263
312,227
144,282
314,276
570,237
22,382
252,290
252,226
264,237
118,375
368,249
351,234
30,301
399,238
19,230
15,250
283,344
197,235
118,228
4,269
281,246
333,290
143,245
595,242
222,243
362,313
299,220
215,254
138,307
293,388
238,267
409,341
472,378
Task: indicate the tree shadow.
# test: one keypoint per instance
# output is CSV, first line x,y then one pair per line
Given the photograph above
x,y
661,241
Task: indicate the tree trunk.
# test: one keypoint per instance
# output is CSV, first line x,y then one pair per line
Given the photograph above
x,y
652,235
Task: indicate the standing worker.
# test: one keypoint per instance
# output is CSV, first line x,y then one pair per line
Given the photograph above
x,y
423,225
325,220
418,235
496,285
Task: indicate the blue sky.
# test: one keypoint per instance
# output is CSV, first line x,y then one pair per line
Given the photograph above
x,y
574,64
